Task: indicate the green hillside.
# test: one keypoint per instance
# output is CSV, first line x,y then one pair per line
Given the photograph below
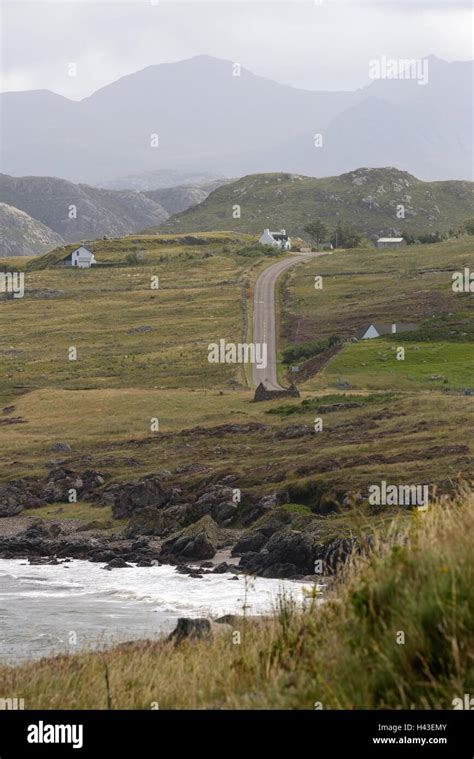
x,y
366,198
143,353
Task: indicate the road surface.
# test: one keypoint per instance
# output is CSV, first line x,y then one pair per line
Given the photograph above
x,y
264,330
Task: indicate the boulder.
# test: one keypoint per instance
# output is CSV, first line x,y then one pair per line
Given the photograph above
x,y
18,495
274,522
292,547
145,563
223,512
193,546
253,541
197,629
287,553
196,547
216,501
63,447
60,482
280,571
162,522
117,563
272,500
126,498
336,553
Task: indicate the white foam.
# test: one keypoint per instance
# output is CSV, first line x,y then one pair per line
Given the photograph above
x,y
161,586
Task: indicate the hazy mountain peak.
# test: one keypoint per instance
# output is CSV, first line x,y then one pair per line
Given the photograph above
x,y
204,119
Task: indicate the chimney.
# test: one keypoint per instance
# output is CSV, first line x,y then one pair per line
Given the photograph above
x,y
394,328
283,231
266,231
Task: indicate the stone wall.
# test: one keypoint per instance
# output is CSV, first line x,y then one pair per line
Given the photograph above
x,y
263,394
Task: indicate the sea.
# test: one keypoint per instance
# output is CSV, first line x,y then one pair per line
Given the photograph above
x,y
65,608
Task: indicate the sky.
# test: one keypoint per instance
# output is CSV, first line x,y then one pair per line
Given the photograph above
x,y
311,44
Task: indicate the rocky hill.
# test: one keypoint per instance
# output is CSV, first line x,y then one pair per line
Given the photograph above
x,y
366,198
78,212
21,235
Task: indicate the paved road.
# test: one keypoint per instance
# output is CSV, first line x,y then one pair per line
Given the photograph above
x,y
264,317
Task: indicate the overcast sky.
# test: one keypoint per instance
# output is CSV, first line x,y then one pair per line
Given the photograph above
x,y
305,43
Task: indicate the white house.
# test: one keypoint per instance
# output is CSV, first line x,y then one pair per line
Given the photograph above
x,y
390,242
377,330
277,239
81,257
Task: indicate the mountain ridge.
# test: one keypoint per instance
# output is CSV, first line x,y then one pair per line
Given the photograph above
x,y
208,120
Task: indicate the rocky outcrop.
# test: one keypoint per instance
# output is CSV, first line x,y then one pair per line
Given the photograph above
x,y
159,522
61,482
250,543
294,431
18,495
60,485
291,553
195,546
218,501
335,554
126,498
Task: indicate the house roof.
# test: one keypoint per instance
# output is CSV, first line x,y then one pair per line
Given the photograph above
x,y
390,239
278,236
385,328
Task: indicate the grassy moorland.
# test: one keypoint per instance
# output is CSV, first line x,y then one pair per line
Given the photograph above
x,y
142,354
410,285
396,634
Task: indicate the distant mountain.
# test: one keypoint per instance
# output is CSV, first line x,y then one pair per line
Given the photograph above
x,y
160,179
366,198
21,235
425,130
79,212
206,120
177,199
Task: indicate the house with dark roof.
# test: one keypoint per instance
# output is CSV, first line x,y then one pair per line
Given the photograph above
x,y
277,239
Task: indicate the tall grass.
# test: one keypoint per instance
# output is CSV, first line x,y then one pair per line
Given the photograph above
x,y
396,631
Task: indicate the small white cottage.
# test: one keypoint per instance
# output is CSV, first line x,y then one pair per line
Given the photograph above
x,y
377,329
277,239
81,257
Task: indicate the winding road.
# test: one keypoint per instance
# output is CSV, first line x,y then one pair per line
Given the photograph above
x,y
264,330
